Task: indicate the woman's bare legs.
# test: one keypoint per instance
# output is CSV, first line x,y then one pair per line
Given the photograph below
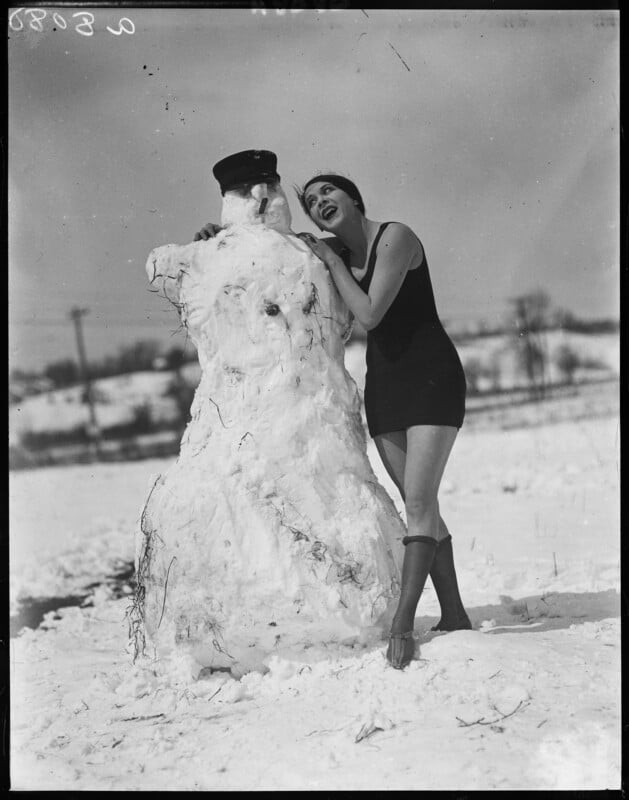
x,y
415,459
391,448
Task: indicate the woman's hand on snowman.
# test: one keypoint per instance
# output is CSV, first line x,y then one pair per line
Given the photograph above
x,y
320,249
208,231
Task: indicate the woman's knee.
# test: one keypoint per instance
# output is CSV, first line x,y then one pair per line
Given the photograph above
x,y
421,509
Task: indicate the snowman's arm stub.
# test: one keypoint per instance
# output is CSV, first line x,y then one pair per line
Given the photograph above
x,y
165,268
174,272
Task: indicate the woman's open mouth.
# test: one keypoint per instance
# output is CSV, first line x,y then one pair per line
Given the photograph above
x,y
328,212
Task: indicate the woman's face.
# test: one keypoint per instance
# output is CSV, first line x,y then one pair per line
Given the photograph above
x,y
328,205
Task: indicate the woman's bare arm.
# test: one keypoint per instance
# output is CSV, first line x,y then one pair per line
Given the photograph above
x,y
398,250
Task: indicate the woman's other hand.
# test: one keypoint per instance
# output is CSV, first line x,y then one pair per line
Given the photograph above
x,y
208,231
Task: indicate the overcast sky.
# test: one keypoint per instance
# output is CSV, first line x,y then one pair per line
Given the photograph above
x,y
493,134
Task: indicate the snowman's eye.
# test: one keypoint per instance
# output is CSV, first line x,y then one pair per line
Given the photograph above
x,y
243,189
272,309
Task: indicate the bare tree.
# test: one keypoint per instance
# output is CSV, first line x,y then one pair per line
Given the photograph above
x,y
531,318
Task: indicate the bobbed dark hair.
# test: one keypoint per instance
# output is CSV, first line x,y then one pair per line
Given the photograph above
x,y
349,187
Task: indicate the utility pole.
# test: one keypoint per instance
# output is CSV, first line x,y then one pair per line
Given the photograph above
x,y
93,432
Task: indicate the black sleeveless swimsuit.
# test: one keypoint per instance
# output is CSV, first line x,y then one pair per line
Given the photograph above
x,y
414,374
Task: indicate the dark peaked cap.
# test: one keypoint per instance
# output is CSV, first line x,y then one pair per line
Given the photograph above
x,y
248,166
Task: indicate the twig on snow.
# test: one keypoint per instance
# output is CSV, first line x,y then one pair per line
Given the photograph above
x,y
215,693
483,721
324,730
174,558
142,718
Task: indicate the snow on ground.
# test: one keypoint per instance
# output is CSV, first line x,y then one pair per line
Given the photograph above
x,y
529,699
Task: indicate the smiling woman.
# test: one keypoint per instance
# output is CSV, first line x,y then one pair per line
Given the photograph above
x,y
414,387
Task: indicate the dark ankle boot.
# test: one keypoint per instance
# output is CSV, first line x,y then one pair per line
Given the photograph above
x,y
443,576
418,559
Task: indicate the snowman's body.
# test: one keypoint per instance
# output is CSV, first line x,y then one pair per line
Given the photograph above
x,y
270,532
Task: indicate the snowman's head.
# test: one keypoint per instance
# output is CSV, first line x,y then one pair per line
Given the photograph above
x,y
251,190
257,204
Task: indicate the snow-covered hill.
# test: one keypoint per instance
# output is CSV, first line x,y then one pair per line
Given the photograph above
x,y
118,398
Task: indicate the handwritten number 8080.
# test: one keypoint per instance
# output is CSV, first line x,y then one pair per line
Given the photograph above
x,y
85,26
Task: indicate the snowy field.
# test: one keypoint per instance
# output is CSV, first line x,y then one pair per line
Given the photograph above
x,y
529,699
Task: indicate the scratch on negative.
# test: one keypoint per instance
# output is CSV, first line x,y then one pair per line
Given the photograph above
x,y
399,56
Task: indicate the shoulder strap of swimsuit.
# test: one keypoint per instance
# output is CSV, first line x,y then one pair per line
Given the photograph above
x,y
372,255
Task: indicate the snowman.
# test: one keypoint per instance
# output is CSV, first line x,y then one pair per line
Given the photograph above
x,y
270,534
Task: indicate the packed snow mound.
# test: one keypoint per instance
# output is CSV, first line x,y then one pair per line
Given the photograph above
x,y
270,532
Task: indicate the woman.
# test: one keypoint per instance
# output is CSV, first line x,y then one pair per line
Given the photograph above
x,y
414,387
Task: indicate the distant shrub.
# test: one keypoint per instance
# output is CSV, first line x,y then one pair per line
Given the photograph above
x,y
592,362
482,376
142,419
63,373
567,361
138,357
176,357
183,394
473,368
